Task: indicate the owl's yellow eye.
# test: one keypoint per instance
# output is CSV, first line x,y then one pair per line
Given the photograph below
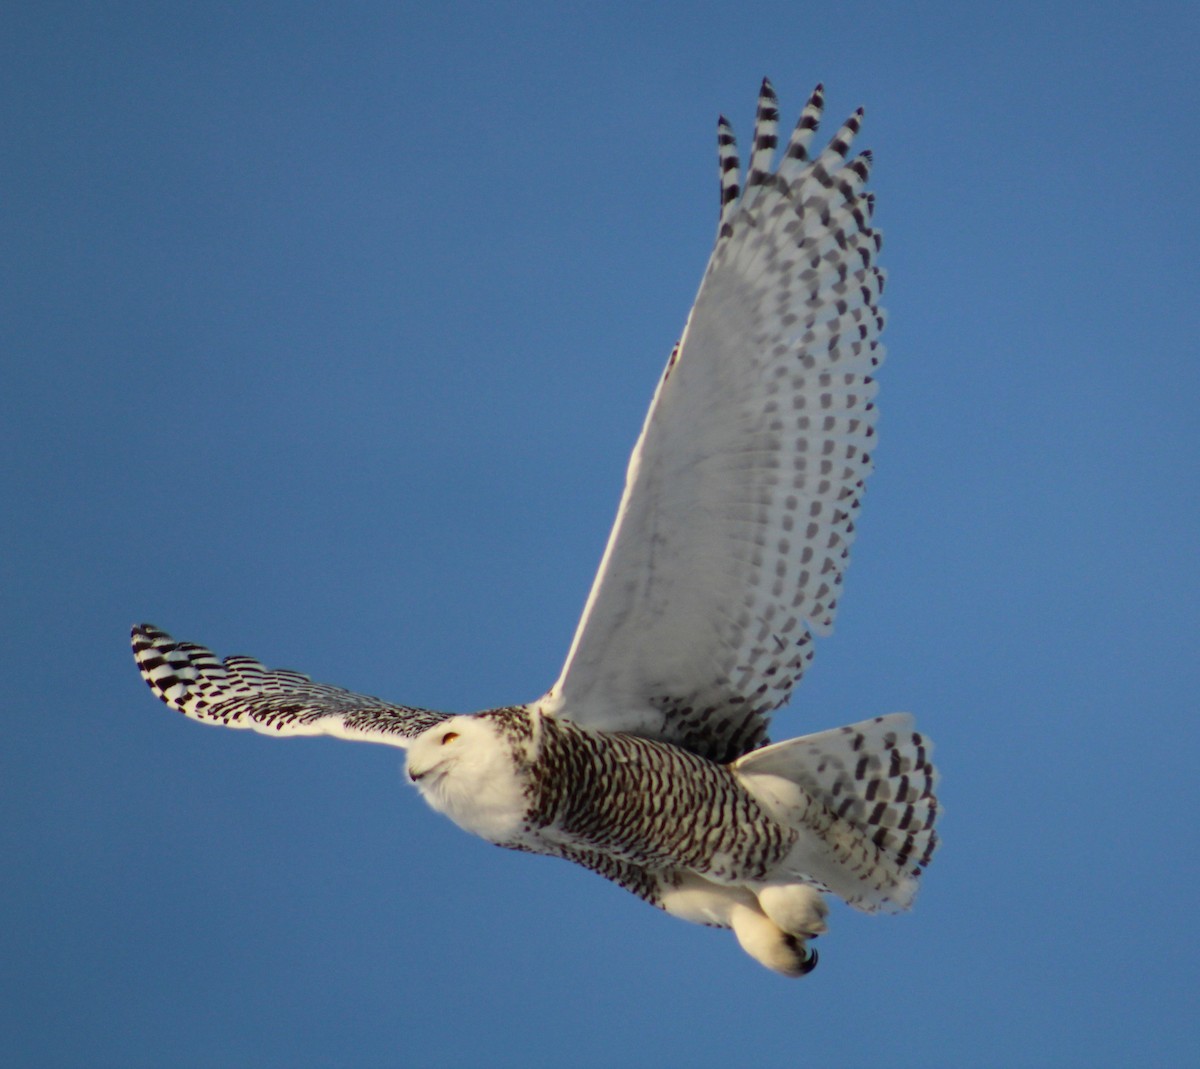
x,y
450,736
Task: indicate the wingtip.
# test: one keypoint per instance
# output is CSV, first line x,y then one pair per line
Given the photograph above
x,y
147,634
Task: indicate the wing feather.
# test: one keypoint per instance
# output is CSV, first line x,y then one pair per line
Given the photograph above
x,y
735,526
240,692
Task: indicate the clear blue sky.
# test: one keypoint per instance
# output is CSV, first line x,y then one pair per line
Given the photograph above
x,y
325,334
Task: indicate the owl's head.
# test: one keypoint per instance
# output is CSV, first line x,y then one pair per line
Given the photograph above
x,y
474,771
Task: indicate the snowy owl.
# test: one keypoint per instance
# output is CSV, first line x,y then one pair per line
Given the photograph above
x,y
648,760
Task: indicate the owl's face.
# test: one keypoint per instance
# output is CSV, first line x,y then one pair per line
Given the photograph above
x,y
465,768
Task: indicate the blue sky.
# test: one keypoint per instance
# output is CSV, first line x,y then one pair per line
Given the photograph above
x,y
326,334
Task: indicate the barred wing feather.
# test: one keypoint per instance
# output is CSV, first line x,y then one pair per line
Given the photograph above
x,y
239,692
733,534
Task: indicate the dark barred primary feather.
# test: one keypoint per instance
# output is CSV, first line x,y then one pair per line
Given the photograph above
x,y
240,692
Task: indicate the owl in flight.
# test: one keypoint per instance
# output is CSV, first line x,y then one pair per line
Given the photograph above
x,y
648,760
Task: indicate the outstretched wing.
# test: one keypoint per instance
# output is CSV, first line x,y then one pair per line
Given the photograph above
x,y
239,692
735,526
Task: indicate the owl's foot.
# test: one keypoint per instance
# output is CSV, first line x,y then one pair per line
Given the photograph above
x,y
769,945
797,908
772,925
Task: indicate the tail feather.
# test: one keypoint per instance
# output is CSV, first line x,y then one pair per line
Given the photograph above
x,y
873,785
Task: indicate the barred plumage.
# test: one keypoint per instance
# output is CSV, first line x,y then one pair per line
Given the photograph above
x,y
239,692
647,760
642,801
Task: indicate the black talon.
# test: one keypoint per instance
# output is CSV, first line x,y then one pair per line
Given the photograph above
x,y
809,957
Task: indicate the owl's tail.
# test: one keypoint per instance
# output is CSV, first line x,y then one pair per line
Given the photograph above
x,y
863,798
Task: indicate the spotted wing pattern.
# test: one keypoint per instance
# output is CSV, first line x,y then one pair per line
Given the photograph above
x,y
734,530
239,692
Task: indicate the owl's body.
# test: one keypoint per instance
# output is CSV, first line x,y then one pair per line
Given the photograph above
x,y
647,760
849,810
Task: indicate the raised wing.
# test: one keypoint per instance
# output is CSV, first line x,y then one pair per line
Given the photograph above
x,y
239,692
735,526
